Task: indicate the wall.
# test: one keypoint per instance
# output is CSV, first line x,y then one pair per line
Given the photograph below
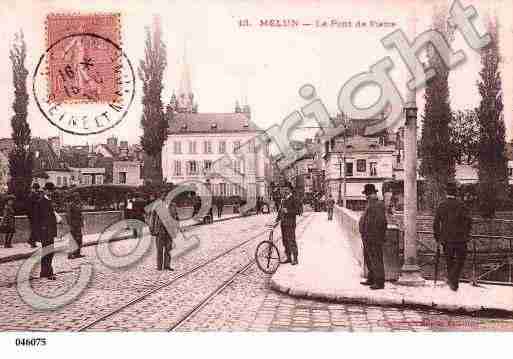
x,y
348,220
95,222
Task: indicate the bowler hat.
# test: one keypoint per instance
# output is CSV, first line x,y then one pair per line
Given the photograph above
x,y
369,188
452,188
49,186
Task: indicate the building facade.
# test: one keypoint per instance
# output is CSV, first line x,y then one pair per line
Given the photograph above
x,y
127,173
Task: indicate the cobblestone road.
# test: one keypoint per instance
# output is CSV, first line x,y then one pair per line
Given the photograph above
x,y
246,305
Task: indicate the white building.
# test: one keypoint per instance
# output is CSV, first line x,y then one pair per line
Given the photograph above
x,y
196,144
127,172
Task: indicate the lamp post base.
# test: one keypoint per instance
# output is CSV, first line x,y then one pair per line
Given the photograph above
x,y
410,276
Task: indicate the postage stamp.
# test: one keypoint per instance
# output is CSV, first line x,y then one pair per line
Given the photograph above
x,y
84,83
83,68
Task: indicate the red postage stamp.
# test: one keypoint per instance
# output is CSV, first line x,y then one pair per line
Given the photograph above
x,y
84,64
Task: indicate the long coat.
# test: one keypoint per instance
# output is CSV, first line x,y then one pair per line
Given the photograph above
x,y
46,221
373,222
452,222
288,219
74,214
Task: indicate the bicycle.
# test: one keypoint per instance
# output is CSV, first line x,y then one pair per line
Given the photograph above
x,y
267,255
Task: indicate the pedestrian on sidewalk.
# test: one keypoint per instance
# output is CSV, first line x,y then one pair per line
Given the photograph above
x,y
219,205
75,222
451,227
287,218
164,238
8,224
330,203
373,226
33,201
47,227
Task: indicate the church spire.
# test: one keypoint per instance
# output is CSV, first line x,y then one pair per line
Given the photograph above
x,y
185,96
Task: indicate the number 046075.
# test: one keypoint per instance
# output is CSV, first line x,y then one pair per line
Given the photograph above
x,y
30,342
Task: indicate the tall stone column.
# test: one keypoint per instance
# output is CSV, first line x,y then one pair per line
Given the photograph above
x,y
410,272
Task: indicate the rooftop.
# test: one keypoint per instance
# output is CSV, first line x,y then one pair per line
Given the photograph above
x,y
210,123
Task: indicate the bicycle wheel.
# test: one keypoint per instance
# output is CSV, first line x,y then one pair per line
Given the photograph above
x,y
267,257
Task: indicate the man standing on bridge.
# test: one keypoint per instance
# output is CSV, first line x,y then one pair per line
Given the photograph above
x,y
373,226
452,227
287,215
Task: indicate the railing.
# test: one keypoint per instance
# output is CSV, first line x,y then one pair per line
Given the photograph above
x,y
506,258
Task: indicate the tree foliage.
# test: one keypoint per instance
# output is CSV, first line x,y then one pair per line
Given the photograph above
x,y
492,143
465,136
153,122
20,158
436,150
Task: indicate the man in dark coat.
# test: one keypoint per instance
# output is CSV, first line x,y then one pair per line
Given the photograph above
x,y
330,203
75,222
287,217
164,239
47,227
373,226
219,205
452,226
33,201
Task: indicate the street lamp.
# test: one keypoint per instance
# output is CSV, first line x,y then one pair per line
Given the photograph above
x,y
342,162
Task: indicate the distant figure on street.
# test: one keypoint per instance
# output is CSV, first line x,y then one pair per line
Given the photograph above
x,y
164,239
8,224
287,218
33,200
47,227
452,226
76,223
196,205
138,213
373,226
330,203
219,205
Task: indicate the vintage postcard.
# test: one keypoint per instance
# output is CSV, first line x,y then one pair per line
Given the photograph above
x,y
255,166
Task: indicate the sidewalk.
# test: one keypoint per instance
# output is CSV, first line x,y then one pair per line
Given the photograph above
x,y
23,250
327,270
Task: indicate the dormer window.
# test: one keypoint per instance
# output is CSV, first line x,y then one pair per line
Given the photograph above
x,y
214,126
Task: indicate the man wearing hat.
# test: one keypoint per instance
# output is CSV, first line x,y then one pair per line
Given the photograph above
x,y
75,222
33,200
287,216
373,226
164,239
47,228
451,228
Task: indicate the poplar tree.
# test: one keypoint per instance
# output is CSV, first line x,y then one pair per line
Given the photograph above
x,y
492,142
153,122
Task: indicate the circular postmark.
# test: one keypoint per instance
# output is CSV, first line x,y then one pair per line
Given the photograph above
x,y
84,84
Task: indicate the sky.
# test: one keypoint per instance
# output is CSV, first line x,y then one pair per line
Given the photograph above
x,y
261,66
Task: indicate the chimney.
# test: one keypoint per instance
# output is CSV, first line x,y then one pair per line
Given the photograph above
x,y
55,142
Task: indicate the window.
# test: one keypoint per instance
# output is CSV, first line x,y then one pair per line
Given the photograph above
x,y
207,165
192,168
510,172
177,147
252,147
65,180
373,168
222,146
178,168
122,177
349,169
236,146
59,179
99,179
222,189
192,147
361,165
207,147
